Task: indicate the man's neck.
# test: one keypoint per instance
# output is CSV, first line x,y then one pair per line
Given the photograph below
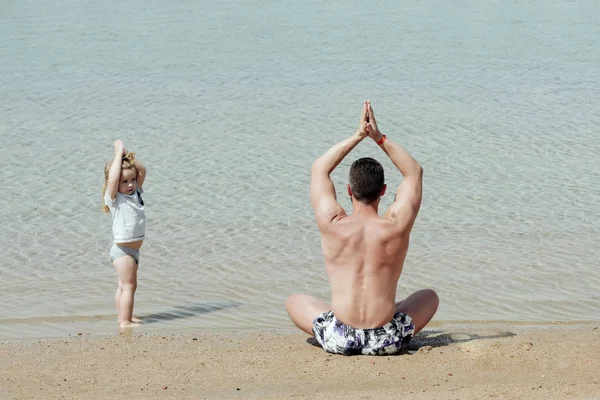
x,y
361,209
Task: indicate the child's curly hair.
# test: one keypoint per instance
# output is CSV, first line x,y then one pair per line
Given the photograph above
x,y
127,163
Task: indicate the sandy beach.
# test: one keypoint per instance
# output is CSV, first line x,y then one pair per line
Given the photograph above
x,y
472,361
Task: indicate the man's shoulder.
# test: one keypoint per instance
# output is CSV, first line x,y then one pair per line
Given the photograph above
x,y
348,226
385,228
383,222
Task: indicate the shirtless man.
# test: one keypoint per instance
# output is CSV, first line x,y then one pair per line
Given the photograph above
x,y
364,253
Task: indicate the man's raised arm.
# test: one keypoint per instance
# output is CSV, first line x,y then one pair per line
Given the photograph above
x,y
407,202
322,190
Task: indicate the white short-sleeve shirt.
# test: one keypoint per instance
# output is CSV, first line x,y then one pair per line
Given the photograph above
x,y
129,218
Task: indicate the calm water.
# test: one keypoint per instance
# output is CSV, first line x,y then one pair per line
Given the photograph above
x,y
228,104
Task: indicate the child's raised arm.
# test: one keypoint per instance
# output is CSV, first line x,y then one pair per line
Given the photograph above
x,y
114,174
141,172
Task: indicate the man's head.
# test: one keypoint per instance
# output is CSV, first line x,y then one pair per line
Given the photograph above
x,y
366,180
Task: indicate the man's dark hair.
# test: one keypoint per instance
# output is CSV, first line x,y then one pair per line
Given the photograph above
x,y
366,179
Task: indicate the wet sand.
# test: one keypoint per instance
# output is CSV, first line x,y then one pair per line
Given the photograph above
x,y
501,361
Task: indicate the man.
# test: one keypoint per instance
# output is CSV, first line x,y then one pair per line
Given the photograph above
x,y
364,253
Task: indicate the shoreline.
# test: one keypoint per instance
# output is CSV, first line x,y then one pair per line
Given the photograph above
x,y
152,329
459,361
156,330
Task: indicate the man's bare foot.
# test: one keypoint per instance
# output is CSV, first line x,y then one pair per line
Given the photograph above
x,y
128,324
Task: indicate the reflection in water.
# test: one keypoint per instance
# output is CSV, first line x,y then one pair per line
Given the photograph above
x,y
181,312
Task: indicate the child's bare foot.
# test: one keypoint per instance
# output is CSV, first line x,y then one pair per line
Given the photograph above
x,y
128,324
135,320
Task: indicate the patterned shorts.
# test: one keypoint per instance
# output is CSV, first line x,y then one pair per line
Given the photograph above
x,y
336,337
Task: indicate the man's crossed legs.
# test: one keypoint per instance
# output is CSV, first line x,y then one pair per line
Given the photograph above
x,y
419,306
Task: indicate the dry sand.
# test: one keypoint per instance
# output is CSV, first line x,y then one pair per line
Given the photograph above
x,y
446,362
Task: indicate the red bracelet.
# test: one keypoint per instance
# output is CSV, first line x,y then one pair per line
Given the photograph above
x,y
383,137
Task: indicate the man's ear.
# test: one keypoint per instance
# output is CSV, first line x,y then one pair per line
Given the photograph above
x,y
349,190
383,189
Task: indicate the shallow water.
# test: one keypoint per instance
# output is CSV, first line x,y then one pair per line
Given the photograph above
x,y
228,104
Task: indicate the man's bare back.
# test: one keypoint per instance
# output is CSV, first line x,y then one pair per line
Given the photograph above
x,y
364,253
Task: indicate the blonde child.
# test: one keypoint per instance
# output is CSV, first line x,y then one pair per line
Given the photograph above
x,y
123,180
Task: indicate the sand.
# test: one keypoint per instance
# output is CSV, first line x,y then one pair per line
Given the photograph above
x,y
502,361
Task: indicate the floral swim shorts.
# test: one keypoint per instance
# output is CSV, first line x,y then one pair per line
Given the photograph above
x,y
338,338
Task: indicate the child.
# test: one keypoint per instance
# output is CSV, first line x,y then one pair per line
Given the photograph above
x,y
123,180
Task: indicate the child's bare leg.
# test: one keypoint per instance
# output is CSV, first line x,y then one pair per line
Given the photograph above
x,y
118,302
127,270
118,297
